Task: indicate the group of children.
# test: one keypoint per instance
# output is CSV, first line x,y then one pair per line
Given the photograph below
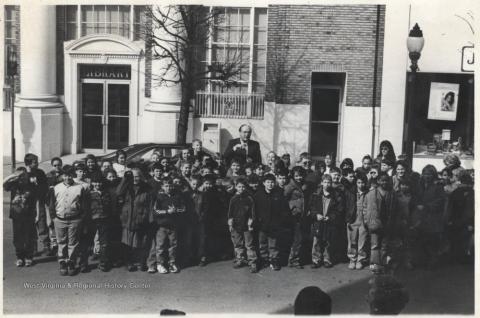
x,y
195,209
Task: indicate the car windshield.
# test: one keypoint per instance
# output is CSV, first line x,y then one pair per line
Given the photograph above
x,y
146,154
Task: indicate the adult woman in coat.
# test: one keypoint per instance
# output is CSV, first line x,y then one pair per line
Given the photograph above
x,y
134,196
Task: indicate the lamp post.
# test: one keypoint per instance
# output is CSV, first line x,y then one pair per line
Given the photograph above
x,y
11,73
415,42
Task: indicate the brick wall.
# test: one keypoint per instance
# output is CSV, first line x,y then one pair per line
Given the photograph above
x,y
303,37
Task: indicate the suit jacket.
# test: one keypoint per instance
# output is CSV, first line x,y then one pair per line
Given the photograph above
x,y
240,154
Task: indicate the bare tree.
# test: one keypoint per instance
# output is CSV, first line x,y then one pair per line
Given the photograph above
x,y
179,36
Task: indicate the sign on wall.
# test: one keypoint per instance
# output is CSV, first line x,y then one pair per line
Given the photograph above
x,y
443,101
101,71
468,58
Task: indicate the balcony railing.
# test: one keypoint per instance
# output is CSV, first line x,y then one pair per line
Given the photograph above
x,y
229,105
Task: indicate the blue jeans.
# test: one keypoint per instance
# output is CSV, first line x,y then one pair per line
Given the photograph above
x,y
243,241
268,246
68,238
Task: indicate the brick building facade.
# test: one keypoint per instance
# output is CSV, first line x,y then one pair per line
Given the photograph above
x,y
311,36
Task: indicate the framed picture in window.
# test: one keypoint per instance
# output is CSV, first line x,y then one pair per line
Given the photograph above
x,y
443,101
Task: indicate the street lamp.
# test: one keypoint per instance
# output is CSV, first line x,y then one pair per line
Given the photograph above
x,y
415,42
12,65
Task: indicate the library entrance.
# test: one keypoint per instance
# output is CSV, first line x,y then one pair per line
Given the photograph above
x,y
105,96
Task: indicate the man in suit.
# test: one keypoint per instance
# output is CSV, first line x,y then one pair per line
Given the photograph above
x,y
243,149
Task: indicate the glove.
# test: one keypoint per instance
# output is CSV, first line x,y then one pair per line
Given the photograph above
x,y
250,224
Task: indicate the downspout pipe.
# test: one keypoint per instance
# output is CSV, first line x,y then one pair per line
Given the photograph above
x,y
375,80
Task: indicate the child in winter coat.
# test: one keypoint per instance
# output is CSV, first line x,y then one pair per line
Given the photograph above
x,y
324,207
198,221
101,212
297,193
271,208
430,205
379,205
408,229
461,210
167,207
356,231
241,213
69,207
115,229
22,213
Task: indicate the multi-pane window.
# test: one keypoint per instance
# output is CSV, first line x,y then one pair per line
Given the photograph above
x,y
109,19
105,19
240,40
259,50
11,25
11,38
70,13
11,41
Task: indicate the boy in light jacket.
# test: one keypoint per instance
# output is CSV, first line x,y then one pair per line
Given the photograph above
x,y
68,208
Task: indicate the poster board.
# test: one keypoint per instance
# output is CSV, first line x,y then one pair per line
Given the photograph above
x,y
443,101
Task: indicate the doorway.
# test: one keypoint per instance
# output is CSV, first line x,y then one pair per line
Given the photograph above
x,y
325,120
104,114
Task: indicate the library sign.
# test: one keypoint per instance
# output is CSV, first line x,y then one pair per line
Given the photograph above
x,y
101,71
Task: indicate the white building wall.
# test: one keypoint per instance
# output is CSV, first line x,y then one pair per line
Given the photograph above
x,y
284,129
357,133
395,62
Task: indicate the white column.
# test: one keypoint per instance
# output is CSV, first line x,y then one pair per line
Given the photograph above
x,y
160,117
395,63
38,112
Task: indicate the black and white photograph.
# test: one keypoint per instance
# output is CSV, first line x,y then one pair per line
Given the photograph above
x,y
443,101
238,157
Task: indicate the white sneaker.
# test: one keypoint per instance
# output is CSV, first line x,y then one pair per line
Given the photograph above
x,y
151,270
162,269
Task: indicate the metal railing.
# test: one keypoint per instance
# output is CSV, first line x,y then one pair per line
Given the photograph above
x,y
7,97
229,105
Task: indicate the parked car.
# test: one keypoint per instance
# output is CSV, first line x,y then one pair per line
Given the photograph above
x,y
141,153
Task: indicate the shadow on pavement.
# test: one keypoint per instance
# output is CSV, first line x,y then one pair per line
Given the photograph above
x,y
447,290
